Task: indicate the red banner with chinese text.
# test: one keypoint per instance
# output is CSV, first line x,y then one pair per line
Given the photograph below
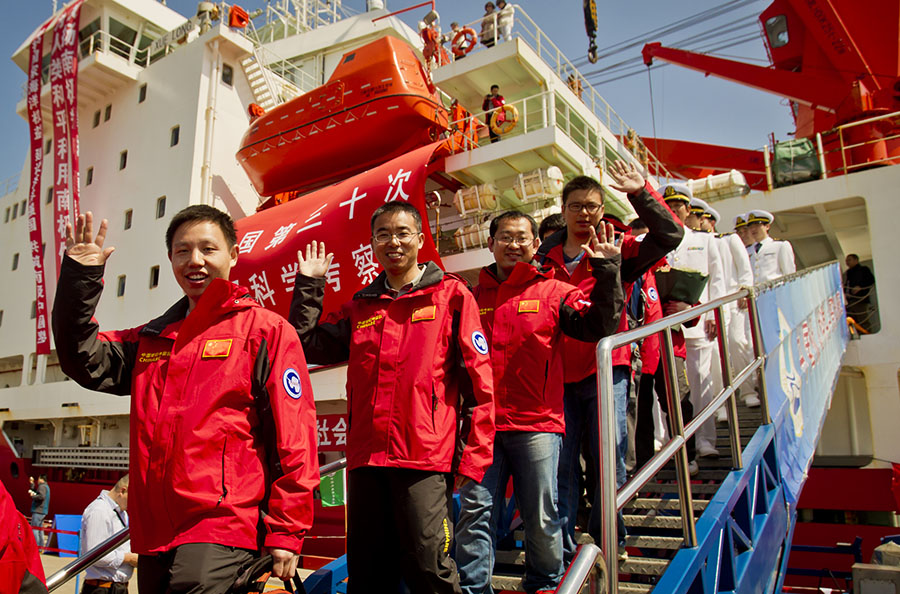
x,y
35,124
63,76
70,83
339,215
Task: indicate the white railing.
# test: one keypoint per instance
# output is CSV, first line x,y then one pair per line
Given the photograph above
x,y
528,31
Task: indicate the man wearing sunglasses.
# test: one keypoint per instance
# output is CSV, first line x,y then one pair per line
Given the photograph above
x,y
420,401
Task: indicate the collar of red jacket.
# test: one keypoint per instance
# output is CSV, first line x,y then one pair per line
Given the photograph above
x,y
432,276
219,298
521,274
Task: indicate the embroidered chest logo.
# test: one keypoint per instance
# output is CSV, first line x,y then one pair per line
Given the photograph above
x,y
420,314
216,349
153,357
529,306
368,322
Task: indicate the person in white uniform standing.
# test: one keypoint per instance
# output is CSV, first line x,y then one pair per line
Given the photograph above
x,y
769,258
699,252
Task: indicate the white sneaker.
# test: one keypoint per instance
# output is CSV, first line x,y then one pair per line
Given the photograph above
x,y
721,416
694,468
751,400
705,451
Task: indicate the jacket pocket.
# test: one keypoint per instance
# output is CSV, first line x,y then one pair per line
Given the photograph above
x,y
224,482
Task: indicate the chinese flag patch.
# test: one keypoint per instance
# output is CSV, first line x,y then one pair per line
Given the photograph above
x,y
529,306
216,349
424,313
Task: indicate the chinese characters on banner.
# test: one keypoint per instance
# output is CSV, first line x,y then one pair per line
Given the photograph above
x,y
339,215
33,101
63,78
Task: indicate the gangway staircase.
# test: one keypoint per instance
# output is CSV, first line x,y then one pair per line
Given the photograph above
x,y
729,527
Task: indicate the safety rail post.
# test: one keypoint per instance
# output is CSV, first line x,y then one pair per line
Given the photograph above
x,y
821,151
767,161
607,459
676,427
734,430
759,352
843,149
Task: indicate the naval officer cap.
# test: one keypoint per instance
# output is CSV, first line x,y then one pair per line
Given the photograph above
x,y
760,216
713,214
676,192
698,207
740,220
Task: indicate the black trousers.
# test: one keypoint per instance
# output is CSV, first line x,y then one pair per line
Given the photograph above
x,y
113,589
643,431
202,568
400,528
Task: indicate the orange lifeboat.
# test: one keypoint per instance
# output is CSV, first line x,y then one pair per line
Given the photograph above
x,y
378,104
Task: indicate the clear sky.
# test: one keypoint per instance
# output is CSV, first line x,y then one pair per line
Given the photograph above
x,y
686,105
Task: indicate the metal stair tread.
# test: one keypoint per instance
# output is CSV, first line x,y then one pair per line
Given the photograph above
x,y
653,521
657,503
629,588
507,582
641,541
644,566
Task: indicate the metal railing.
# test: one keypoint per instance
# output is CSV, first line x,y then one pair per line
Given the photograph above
x,y
524,28
583,571
116,540
676,447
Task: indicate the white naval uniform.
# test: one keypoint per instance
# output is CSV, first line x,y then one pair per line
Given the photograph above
x,y
738,273
699,251
771,259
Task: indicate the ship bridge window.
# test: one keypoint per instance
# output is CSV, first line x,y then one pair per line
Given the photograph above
x,y
123,159
89,178
96,119
6,218
120,286
142,93
15,210
777,31
107,113
49,194
33,309
128,214
121,38
173,137
141,58
154,277
161,207
47,147
1,317
15,263
90,38
227,74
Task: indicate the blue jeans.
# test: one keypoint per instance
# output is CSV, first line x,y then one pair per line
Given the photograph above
x,y
580,404
37,520
532,460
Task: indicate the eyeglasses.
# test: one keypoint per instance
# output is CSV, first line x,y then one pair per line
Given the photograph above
x,y
589,207
385,237
520,241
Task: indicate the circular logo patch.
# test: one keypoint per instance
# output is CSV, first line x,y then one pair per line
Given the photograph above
x,y
480,342
291,381
652,294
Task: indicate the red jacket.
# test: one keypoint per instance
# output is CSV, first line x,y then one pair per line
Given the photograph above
x,y
222,414
419,376
20,560
525,317
652,312
637,257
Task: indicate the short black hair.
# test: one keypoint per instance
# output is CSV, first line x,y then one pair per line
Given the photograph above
x,y
638,224
495,87
395,206
512,215
551,224
582,182
43,477
199,213
853,256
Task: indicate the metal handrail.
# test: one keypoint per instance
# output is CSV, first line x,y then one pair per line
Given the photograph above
x,y
583,570
116,540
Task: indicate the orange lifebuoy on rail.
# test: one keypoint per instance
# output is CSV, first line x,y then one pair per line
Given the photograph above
x,y
504,119
464,41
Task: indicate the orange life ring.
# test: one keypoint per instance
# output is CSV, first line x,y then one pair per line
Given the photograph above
x,y
464,41
505,123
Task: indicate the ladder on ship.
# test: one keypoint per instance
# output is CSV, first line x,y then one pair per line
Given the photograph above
x,y
728,528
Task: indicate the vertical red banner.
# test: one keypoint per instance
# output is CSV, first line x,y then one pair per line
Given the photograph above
x,y
35,123
62,199
69,58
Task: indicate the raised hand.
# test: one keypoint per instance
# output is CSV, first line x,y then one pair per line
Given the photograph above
x,y
601,243
81,247
316,262
626,177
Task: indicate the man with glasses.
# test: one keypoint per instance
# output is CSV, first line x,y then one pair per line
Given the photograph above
x,y
420,400
583,201
525,312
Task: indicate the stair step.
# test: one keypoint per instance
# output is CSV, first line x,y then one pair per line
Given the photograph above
x,y
705,474
654,503
702,489
653,521
512,583
654,542
510,557
644,566
627,588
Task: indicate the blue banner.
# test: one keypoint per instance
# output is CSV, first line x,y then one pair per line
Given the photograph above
x,y
804,331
